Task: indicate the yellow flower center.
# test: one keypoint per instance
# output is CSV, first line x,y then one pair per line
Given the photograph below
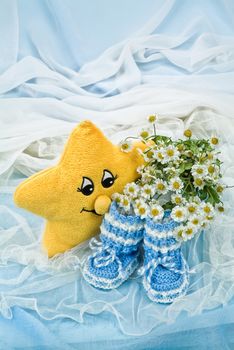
x,y
117,200
214,140
144,134
198,182
190,153
207,209
125,202
131,189
191,209
221,209
210,156
152,118
189,231
150,154
200,171
219,188
125,146
179,213
160,186
178,200
142,210
170,152
180,147
147,190
160,156
155,212
195,221
188,133
211,169
176,185
179,233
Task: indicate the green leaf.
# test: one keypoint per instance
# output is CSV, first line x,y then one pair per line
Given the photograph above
x,y
185,166
214,195
203,194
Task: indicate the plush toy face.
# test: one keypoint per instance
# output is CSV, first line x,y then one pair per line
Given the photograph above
x,y
74,195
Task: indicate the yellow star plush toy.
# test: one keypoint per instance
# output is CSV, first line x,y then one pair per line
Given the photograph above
x,y
73,195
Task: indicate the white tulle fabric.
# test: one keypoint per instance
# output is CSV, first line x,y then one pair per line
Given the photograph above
x,y
135,81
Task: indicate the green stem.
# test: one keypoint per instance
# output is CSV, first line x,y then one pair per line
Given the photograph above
x,y
154,130
132,137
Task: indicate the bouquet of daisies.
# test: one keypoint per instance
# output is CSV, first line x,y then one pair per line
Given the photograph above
x,y
183,176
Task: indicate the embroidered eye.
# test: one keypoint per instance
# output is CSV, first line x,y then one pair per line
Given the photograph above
x,y
108,179
87,186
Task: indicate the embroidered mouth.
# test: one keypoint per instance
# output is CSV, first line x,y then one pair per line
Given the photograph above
x,y
90,211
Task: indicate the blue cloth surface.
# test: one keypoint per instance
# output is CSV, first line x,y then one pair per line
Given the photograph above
x,y
212,330
48,84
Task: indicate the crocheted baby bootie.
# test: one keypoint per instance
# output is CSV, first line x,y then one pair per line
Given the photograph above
x,y
165,271
116,255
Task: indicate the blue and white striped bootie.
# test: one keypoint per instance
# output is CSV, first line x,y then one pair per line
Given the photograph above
x,y
165,271
117,253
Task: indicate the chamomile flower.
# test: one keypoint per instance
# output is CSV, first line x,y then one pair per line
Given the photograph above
x,y
196,220
126,146
142,210
199,170
208,218
189,154
180,147
176,184
189,232
144,134
220,208
140,169
192,208
149,155
152,118
219,188
188,133
212,169
177,199
179,213
213,172
116,197
146,178
179,233
161,186
159,155
125,203
211,156
207,209
131,190
136,203
199,183
147,191
156,212
196,200
171,170
214,141
171,153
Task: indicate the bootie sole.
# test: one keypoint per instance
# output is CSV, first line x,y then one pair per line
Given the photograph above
x,y
106,283
167,297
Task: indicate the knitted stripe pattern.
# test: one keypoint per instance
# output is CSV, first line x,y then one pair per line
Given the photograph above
x,y
165,269
116,255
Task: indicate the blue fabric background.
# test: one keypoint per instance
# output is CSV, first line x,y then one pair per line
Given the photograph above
x,y
73,33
